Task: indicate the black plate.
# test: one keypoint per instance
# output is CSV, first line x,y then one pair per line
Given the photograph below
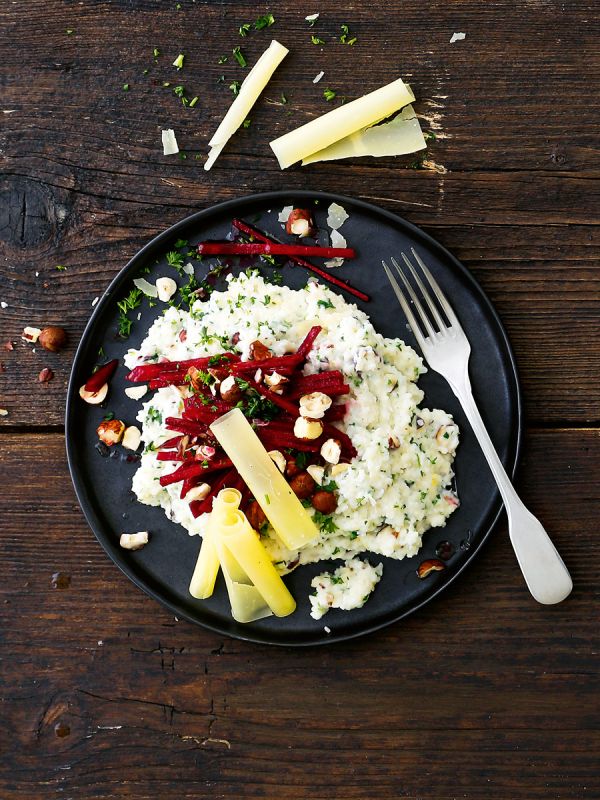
x,y
162,569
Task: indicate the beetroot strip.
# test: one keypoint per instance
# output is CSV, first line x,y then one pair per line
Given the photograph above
x,y
145,372
308,341
198,507
192,470
249,230
272,249
97,380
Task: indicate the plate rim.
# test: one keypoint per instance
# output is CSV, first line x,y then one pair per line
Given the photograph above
x,y
106,297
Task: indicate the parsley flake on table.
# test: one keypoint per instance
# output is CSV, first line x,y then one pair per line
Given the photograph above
x,y
328,94
235,87
222,60
316,40
179,61
239,57
246,123
127,304
264,22
243,30
346,37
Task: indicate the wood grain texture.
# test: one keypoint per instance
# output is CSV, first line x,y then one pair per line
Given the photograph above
x,y
482,694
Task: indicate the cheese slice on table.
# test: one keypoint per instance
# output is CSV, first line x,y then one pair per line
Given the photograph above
x,y
245,546
399,136
254,82
292,523
341,122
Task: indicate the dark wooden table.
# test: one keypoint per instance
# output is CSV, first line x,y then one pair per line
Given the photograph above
x,y
483,694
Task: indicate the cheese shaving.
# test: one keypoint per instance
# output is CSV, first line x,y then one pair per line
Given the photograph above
x,y
457,37
398,137
146,287
341,122
169,142
249,92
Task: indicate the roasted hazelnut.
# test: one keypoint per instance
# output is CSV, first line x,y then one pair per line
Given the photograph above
x,y
230,391
302,485
308,429
52,338
429,566
45,375
291,468
259,351
255,515
110,431
325,502
299,222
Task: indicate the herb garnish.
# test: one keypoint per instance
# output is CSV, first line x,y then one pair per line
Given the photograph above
x,y
316,40
239,57
345,34
127,304
328,94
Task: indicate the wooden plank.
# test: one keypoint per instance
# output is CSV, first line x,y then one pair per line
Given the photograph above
x,y
482,694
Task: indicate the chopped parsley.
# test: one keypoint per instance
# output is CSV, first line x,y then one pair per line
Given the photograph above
x,y
316,40
346,37
193,102
156,52
222,60
108,416
239,57
329,487
235,88
175,259
154,415
267,500
61,267
302,459
325,522
179,61
127,304
336,579
325,303
246,123
243,30
125,87
328,94
284,99
264,22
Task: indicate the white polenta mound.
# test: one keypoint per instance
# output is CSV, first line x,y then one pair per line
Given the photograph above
x,y
397,487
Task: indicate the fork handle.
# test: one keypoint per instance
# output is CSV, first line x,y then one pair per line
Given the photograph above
x,y
544,571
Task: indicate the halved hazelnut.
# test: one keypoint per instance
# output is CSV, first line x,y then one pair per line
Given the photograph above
x,y
45,375
166,288
94,398
393,442
278,458
299,222
314,405
308,429
31,334
3,412
276,382
259,351
200,492
429,566
110,431
331,451
337,469
134,541
230,391
132,437
136,392
316,472
53,338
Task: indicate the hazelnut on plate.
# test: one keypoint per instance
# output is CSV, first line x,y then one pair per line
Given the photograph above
x,y
308,429
94,398
110,431
166,288
198,492
331,451
278,459
134,541
276,382
314,405
325,502
259,351
316,473
230,391
302,485
132,437
299,222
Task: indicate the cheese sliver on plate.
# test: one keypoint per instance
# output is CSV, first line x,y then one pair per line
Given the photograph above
x,y
292,523
399,136
341,122
254,82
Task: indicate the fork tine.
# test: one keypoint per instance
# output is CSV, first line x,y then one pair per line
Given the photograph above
x,y
424,318
453,319
405,307
435,313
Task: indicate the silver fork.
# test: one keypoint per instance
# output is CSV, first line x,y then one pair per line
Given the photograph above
x,y
447,351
